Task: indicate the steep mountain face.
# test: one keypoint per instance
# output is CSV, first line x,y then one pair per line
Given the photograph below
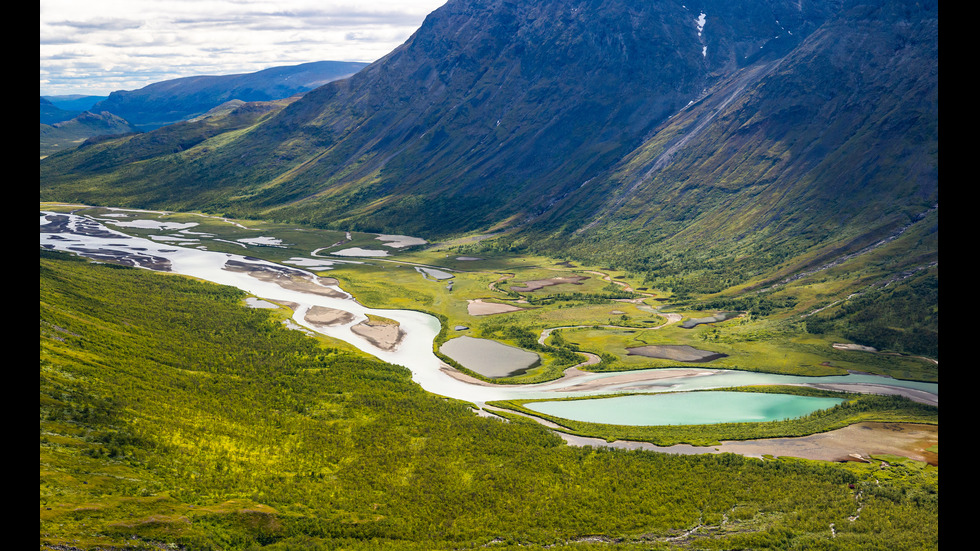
x,y
495,109
836,139
179,99
619,128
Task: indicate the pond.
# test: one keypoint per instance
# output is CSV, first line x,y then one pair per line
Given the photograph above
x,y
686,408
721,316
489,358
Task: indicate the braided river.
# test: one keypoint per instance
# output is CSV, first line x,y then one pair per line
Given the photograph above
x,y
304,290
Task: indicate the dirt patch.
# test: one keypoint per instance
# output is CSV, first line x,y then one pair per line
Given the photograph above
x,y
678,353
855,347
479,308
853,443
536,284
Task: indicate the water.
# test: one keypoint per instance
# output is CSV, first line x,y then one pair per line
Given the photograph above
x,y
89,238
686,408
489,358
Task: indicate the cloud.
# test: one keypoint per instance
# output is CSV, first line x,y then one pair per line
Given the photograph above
x,y
129,44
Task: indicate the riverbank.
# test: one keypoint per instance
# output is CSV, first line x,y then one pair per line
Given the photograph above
x,y
858,442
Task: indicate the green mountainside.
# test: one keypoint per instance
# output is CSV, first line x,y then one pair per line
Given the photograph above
x,y
70,133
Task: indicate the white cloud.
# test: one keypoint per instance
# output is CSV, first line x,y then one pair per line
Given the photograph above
x,y
99,46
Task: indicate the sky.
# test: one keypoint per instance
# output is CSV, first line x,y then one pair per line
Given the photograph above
x,y
94,47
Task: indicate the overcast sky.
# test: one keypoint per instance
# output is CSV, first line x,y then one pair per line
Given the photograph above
x,y
99,46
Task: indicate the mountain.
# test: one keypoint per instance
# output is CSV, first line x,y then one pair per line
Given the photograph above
x,y
51,113
71,103
179,99
721,139
70,133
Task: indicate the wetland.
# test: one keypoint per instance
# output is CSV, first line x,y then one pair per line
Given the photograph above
x,y
508,301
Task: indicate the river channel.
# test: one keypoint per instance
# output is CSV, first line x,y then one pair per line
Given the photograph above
x,y
91,238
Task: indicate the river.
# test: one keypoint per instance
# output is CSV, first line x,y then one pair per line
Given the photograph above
x,y
88,237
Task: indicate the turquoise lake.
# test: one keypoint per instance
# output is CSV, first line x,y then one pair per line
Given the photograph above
x,y
686,408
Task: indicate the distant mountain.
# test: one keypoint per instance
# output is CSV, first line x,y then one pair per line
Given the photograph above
x,y
69,134
73,102
722,139
51,113
179,99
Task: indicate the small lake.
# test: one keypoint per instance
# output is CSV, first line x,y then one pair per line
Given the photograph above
x,y
433,273
721,316
686,408
489,358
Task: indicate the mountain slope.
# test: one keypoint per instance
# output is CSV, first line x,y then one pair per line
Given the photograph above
x,y
836,139
51,113
769,131
72,132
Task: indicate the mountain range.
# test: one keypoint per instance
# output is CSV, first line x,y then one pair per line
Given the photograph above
x,y
67,121
171,101
720,139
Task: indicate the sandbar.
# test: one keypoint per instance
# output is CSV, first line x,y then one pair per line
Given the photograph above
x,y
856,442
678,353
288,278
321,315
385,336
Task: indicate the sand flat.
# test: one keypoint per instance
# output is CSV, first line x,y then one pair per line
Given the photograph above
x,y
536,284
386,336
329,317
677,353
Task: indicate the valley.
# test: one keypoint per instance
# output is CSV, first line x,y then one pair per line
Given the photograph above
x,y
181,414
574,327
550,273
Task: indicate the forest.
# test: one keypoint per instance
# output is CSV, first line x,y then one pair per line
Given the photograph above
x,y
172,415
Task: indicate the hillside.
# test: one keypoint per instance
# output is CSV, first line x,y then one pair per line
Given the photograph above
x,y
71,133
52,113
208,425
719,145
